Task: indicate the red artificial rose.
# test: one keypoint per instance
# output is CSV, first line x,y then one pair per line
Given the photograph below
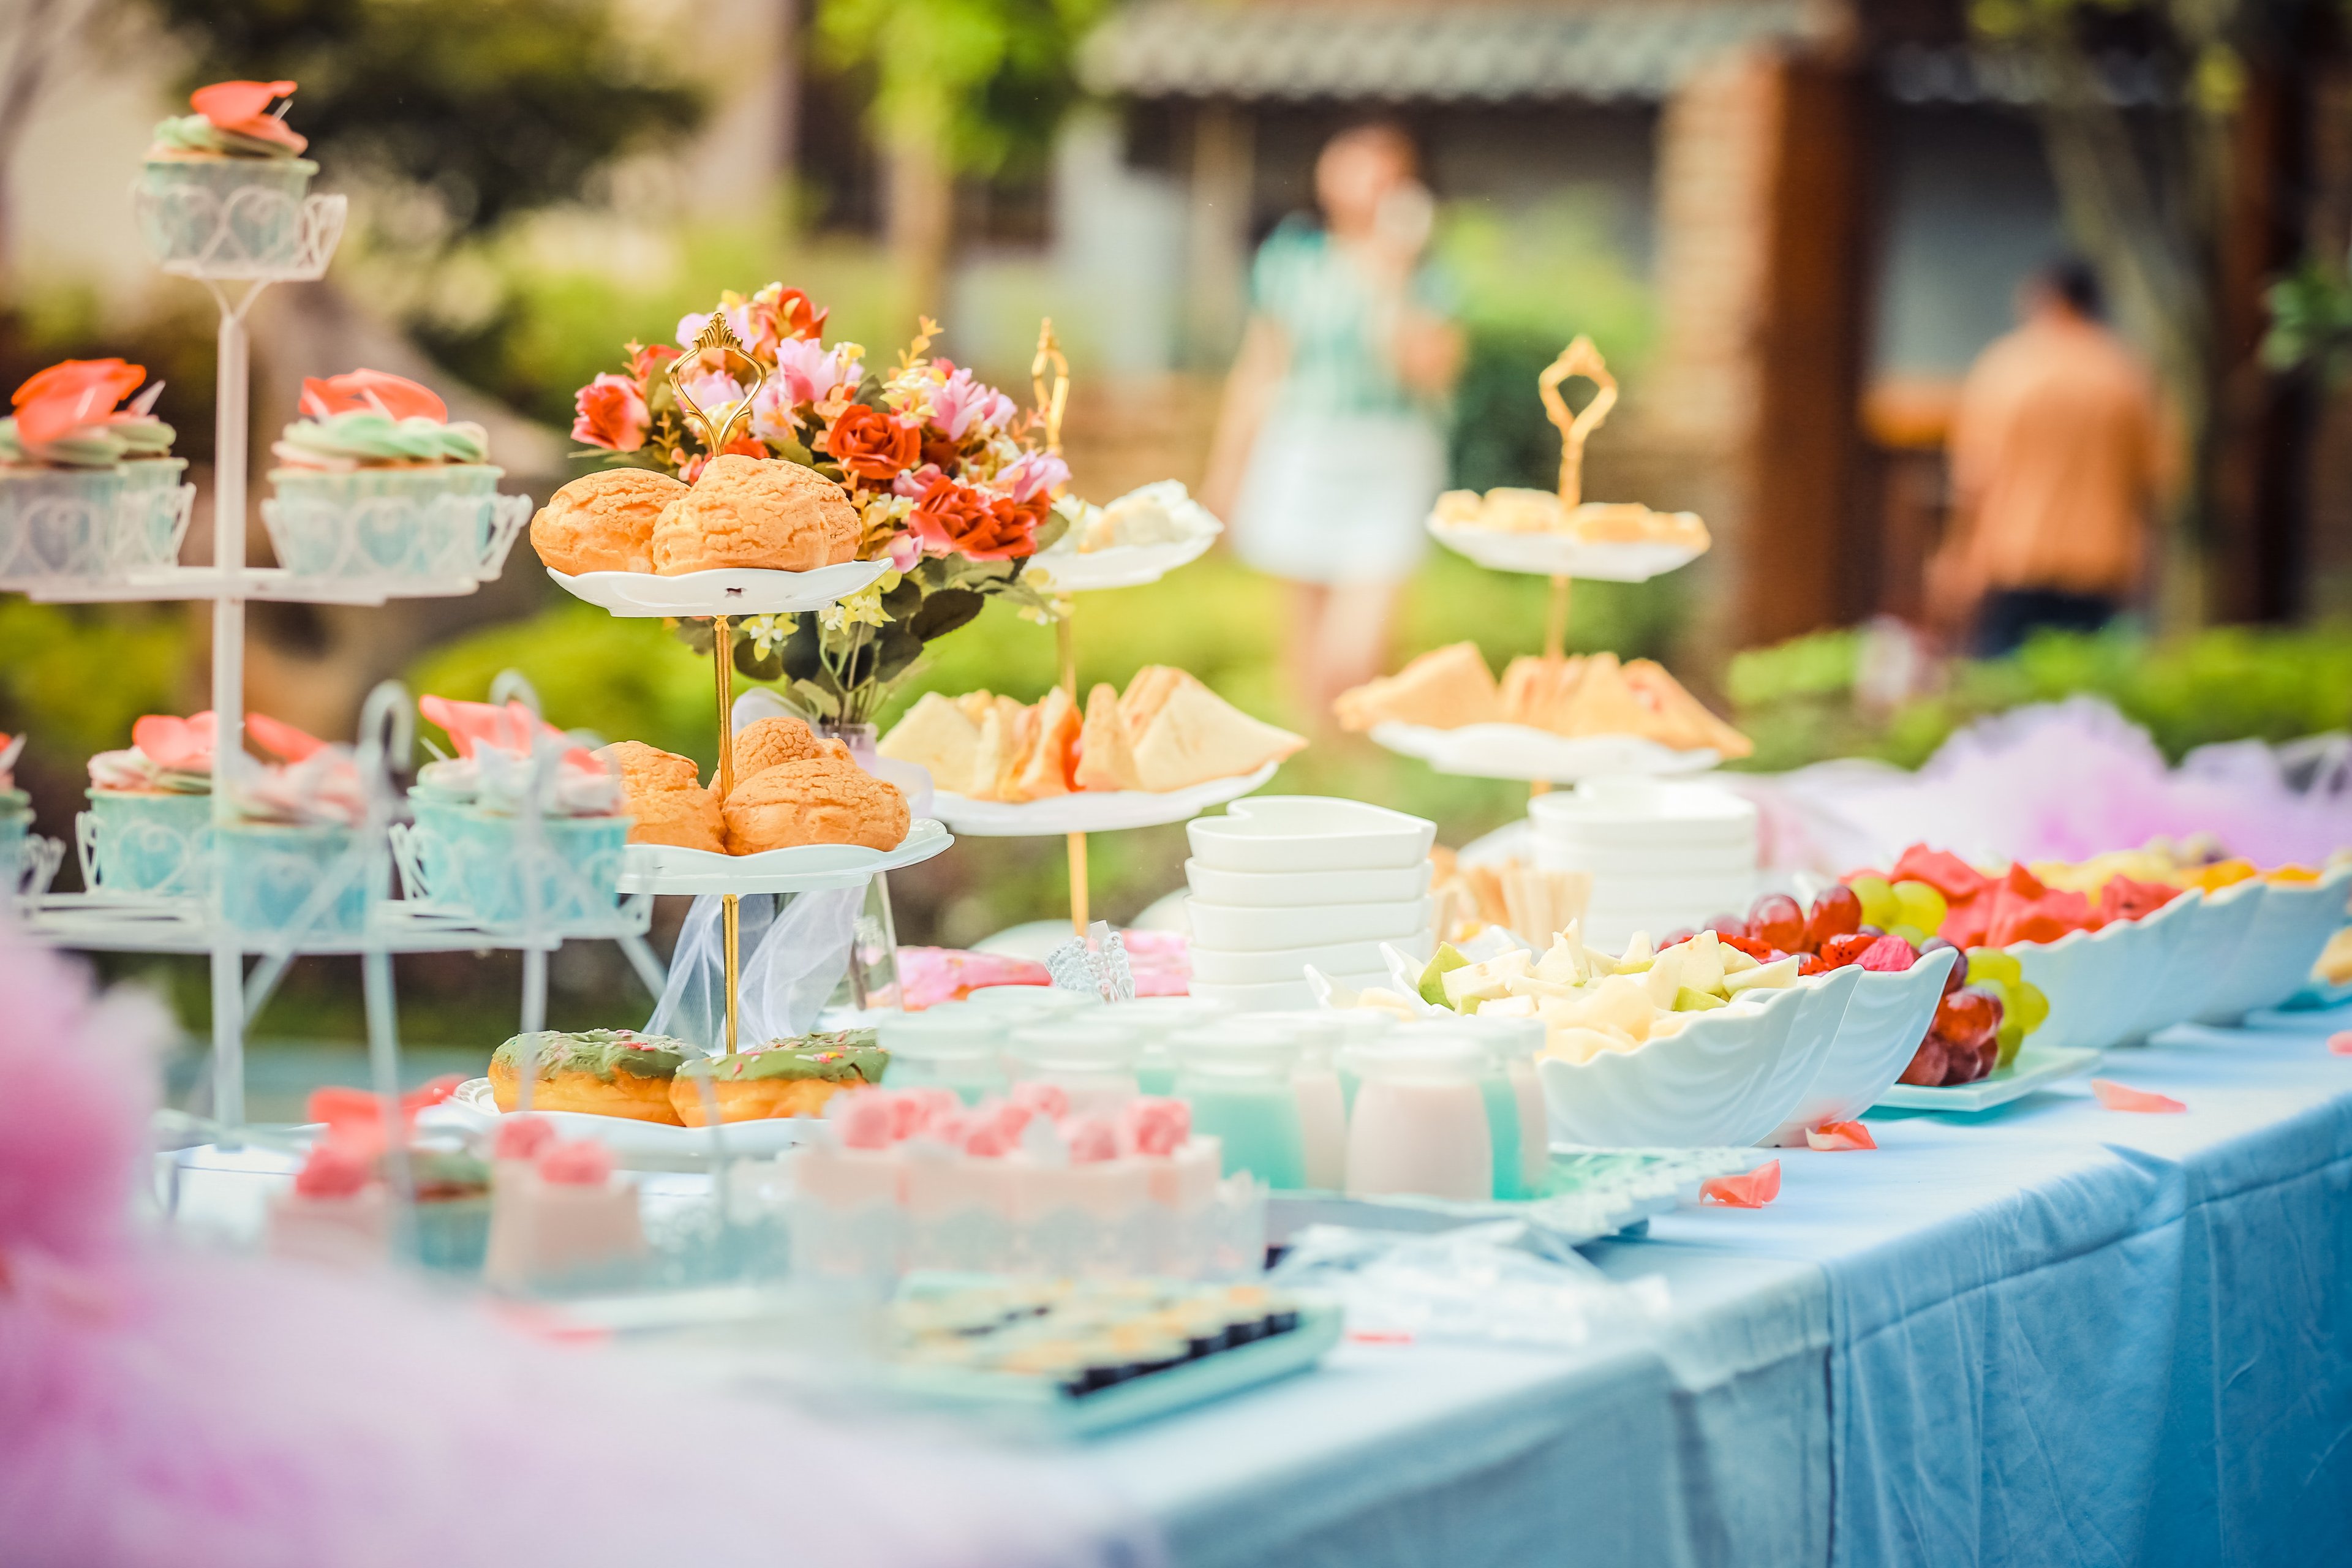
x,y
871,444
956,519
797,316
612,414
646,363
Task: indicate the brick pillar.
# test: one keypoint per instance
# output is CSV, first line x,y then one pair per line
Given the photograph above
x,y
1760,290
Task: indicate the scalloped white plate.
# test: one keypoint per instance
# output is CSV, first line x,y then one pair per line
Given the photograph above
x,y
1092,811
1728,1079
1075,570
2035,1067
728,591
1886,1018
1558,555
1524,751
804,868
474,1108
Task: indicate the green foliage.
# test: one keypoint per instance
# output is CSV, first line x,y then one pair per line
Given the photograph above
x,y
494,109
2311,322
1796,700
984,81
75,676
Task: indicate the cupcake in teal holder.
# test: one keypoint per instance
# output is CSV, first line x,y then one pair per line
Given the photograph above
x,y
468,846
87,490
376,482
222,190
296,861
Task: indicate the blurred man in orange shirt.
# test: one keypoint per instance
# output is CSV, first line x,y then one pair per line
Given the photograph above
x,y
2057,456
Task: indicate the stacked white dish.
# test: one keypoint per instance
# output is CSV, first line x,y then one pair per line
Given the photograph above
x,y
1663,854
1280,882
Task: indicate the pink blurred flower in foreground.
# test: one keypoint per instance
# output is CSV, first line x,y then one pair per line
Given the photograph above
x,y
961,404
1032,474
807,370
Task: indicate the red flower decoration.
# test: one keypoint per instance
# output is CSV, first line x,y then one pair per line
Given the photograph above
x,y
366,391
243,108
871,444
956,519
71,394
612,414
798,316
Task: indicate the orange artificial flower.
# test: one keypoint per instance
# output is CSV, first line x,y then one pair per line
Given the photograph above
x,y
360,391
956,519
871,444
71,394
242,108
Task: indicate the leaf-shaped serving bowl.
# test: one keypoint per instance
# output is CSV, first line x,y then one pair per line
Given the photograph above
x,y
2283,938
1886,1018
1728,1079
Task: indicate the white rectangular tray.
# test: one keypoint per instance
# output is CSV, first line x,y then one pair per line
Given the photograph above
x,y
2033,1070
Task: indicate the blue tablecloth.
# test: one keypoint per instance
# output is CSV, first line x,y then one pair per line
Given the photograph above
x,y
2050,1334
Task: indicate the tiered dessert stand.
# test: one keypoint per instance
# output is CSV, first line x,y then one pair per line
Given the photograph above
x,y
1073,816
720,596
1517,751
343,907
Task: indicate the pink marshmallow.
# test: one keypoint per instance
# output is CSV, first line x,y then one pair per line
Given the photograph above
x,y
987,1140
335,1169
523,1137
1158,1127
865,1118
1091,1139
582,1162
1049,1100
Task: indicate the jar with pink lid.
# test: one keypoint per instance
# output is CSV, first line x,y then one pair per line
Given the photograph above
x,y
1419,1124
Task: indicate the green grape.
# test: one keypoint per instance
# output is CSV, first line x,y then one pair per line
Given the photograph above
x,y
1992,963
2008,1037
2033,1006
1919,904
1877,896
1908,933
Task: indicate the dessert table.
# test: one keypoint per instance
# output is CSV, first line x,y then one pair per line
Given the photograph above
x,y
2051,1332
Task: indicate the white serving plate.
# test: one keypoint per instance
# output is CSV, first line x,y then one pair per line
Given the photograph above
x,y
804,868
1728,1079
1282,833
2036,1067
1072,571
1524,751
2283,939
1269,966
1561,555
725,590
475,1108
1091,811
1238,928
1304,890
1886,1018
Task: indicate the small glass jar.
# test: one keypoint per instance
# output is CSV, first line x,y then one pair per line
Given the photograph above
x,y
1088,1057
1238,1085
1157,1022
1420,1123
1315,1084
950,1047
1357,1026
1513,1096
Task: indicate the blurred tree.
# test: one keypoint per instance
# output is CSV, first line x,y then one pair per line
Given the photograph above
x,y
2147,180
492,108
35,37
960,87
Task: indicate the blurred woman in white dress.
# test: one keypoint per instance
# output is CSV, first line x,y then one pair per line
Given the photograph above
x,y
1330,447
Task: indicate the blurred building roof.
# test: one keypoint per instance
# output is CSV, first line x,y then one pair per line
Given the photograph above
x,y
1637,49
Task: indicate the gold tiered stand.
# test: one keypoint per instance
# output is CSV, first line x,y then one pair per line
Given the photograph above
x,y
1050,404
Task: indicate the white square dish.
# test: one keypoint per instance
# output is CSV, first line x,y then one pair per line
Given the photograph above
x,y
1239,929
1301,889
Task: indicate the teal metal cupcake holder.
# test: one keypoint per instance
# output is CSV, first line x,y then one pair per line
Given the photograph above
x,y
283,883
468,860
28,861
91,526
150,845
233,217
416,526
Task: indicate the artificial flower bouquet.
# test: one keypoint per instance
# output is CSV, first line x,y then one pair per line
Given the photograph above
x,y
938,463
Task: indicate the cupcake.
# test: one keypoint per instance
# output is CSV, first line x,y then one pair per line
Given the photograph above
x,y
377,482
88,488
466,848
221,195
151,809
292,862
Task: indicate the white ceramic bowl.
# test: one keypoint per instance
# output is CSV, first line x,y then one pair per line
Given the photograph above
x,y
1299,889
1601,812
2216,932
2174,970
2092,978
2283,939
1309,833
1885,1017
1265,966
1239,929
1727,1081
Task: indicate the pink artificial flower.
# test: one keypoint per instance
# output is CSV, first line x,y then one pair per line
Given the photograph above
x,y
714,391
806,370
275,736
903,552
1839,1135
2122,1097
509,729
523,1137
690,326
1752,1189
612,414
691,469
1032,474
913,484
961,404
72,394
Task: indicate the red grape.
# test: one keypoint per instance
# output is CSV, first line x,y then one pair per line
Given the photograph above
x,y
1837,912
1928,1064
1777,918
1726,925
1956,976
